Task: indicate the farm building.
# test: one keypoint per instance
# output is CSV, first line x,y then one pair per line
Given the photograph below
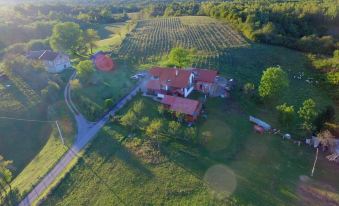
x,y
190,108
204,80
54,62
170,81
180,82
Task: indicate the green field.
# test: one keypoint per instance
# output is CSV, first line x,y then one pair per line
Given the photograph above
x,y
118,167
111,172
33,146
111,35
20,141
110,85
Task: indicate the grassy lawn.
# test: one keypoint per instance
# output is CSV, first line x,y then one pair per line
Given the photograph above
x,y
41,164
111,35
265,170
111,85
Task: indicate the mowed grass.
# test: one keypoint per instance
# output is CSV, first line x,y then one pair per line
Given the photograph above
x,y
110,85
111,35
41,164
267,170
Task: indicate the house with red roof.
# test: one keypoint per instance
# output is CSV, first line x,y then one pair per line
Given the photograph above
x,y
180,82
190,108
170,81
204,79
54,62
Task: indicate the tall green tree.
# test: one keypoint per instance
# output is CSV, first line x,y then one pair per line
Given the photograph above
x,y
67,37
153,130
138,107
91,37
307,113
173,127
273,81
180,57
5,176
129,120
85,71
286,114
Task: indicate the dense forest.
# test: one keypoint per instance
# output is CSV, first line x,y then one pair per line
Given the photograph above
x,y
305,26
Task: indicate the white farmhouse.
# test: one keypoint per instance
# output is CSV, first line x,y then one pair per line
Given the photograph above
x,y
54,62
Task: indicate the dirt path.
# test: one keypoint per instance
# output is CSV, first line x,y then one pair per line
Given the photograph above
x,y
85,132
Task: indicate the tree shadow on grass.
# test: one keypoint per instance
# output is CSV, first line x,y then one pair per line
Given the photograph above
x,y
110,148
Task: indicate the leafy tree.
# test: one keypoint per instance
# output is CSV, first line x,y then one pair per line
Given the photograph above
x,y
336,54
108,103
307,113
38,44
143,122
5,176
249,88
138,107
85,70
75,84
129,120
180,57
153,130
286,114
273,81
161,109
191,134
173,127
66,37
91,37
50,93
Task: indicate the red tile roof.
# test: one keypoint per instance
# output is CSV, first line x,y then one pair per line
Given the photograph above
x,y
182,105
205,75
153,84
172,77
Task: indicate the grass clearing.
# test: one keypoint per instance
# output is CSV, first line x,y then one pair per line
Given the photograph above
x,y
268,170
114,85
41,164
111,35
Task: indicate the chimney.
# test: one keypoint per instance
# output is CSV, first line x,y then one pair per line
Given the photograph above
x,y
176,72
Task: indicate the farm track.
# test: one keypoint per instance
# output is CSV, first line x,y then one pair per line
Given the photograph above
x,y
152,39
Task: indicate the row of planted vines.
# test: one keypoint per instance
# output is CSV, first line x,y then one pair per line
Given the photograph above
x,y
152,39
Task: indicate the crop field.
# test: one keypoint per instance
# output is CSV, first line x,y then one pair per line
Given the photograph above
x,y
152,39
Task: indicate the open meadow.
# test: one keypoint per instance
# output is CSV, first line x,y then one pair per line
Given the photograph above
x,y
118,167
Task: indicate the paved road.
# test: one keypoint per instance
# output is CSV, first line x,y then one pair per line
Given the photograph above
x,y
85,132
